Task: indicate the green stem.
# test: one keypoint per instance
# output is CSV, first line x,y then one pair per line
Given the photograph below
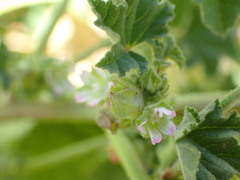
x,y
166,152
128,156
81,113
231,100
63,154
49,112
43,37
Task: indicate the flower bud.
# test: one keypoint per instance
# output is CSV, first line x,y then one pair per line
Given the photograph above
x,y
127,104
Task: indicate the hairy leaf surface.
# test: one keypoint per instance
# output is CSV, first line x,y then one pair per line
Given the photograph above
x,y
165,48
120,61
208,144
128,23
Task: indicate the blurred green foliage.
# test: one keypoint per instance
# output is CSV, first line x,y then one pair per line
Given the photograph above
x,y
212,65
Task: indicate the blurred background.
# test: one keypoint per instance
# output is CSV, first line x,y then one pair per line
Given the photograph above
x,y
45,45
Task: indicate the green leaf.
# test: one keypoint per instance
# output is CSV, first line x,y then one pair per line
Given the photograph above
x,y
208,144
120,61
71,150
189,157
201,45
219,15
129,23
134,21
165,48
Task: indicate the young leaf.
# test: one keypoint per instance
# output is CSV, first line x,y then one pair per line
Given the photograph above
x,y
219,15
208,144
165,48
120,61
129,23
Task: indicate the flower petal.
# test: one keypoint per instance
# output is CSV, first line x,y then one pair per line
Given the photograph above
x,y
142,129
87,97
93,103
167,112
101,73
84,76
168,128
79,97
158,110
172,129
155,135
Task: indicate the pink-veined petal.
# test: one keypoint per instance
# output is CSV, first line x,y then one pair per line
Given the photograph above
x,y
169,128
172,129
80,98
155,135
167,112
93,103
142,129
158,110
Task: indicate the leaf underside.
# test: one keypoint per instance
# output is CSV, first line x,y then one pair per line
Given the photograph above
x,y
208,144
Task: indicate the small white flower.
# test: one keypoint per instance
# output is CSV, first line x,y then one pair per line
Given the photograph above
x,y
96,87
155,122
